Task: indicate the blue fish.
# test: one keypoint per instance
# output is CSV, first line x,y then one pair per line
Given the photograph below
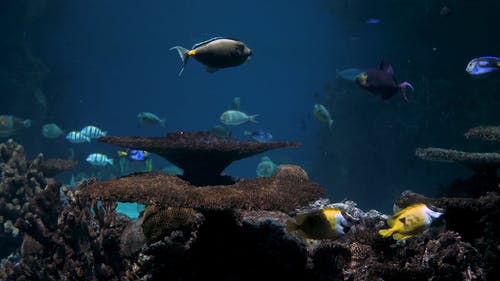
x,y
349,74
373,21
482,66
259,135
134,154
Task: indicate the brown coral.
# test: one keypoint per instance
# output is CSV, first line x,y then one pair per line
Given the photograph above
x,y
488,133
54,166
471,159
162,221
284,193
202,155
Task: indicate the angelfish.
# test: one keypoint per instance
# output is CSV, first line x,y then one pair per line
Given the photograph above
x,y
215,53
381,81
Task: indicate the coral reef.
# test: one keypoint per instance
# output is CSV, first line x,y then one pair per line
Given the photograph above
x,y
20,181
488,133
52,167
77,242
201,155
229,232
484,165
287,190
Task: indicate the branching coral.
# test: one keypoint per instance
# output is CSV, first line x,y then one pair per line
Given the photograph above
x,y
80,241
20,181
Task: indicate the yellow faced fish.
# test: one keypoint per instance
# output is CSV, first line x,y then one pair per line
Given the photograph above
x,y
410,221
328,223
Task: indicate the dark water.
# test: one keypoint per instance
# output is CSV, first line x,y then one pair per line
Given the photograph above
x,y
102,62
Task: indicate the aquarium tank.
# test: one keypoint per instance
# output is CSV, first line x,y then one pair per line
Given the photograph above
x,y
266,140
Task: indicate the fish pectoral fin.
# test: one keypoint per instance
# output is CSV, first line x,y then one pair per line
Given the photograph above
x,y
386,232
212,69
400,236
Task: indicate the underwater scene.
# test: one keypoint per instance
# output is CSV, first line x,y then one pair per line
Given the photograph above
x,y
326,140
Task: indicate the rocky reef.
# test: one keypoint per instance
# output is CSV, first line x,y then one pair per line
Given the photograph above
x,y
229,232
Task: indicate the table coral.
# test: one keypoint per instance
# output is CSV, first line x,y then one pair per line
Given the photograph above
x,y
284,192
201,155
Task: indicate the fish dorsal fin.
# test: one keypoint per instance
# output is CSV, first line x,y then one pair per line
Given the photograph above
x,y
387,67
397,215
206,42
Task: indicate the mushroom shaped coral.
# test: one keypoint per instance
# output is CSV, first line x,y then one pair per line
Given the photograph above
x,y
202,155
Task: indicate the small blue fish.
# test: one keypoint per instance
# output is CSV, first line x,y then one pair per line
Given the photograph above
x,y
373,21
259,135
134,154
483,65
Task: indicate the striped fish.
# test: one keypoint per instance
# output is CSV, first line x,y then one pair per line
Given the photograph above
x,y
93,132
77,137
99,159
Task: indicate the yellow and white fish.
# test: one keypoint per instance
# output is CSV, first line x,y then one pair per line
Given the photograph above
x,y
328,223
410,221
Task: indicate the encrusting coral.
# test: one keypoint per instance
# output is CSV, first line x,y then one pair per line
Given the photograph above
x,y
201,155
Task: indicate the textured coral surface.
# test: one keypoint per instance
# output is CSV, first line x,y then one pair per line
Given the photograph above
x,y
280,192
202,155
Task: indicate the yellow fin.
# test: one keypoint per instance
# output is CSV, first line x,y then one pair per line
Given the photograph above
x,y
391,220
386,232
191,53
400,236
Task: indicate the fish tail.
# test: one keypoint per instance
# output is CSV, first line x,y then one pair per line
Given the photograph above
x,y
162,122
247,133
402,89
252,118
104,133
110,161
386,232
330,123
183,53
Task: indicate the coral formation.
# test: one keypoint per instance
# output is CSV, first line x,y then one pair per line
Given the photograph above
x,y
484,165
285,191
488,133
79,242
20,180
229,232
54,166
201,155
